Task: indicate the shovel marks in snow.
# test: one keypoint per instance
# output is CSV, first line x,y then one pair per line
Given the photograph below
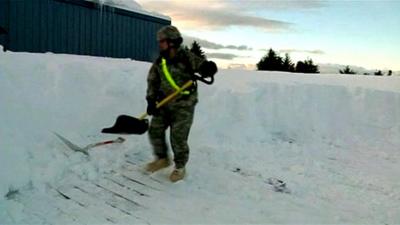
x,y
99,198
137,170
117,197
87,207
112,179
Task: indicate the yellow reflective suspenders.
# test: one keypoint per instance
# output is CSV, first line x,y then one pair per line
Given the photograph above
x,y
169,77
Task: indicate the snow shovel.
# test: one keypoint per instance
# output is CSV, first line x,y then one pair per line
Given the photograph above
x,y
130,125
85,150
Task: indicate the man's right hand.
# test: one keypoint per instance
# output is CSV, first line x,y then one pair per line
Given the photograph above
x,y
152,108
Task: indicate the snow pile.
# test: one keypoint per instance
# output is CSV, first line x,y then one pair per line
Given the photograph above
x,y
333,139
42,94
130,5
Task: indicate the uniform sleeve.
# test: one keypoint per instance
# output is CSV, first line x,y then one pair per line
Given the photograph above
x,y
153,83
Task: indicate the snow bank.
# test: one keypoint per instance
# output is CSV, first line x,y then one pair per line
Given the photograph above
x,y
46,93
342,109
333,138
130,5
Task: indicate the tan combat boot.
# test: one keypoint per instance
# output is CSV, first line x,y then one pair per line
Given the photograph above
x,y
177,174
157,164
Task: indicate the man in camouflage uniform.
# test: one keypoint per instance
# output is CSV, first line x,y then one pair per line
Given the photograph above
x,y
179,65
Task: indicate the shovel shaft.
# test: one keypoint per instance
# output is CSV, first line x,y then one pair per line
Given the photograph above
x,y
169,97
118,140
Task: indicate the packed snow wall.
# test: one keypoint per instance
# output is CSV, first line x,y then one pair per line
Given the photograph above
x,y
244,110
304,108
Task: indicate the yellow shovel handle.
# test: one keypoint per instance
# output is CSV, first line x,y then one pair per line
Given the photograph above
x,y
169,97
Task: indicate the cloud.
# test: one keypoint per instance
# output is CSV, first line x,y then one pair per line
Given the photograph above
x,y
317,51
240,47
217,55
241,66
273,5
215,14
187,40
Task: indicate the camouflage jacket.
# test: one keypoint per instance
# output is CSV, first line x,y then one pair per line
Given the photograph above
x,y
181,67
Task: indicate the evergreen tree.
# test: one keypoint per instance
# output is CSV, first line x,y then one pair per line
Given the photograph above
x,y
186,48
300,67
287,64
347,70
271,61
196,49
306,67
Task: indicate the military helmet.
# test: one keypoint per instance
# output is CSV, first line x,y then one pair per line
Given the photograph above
x,y
171,34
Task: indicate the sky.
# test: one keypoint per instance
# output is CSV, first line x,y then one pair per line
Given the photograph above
x,y
237,33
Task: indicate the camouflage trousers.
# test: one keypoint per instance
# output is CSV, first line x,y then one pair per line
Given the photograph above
x,y
179,119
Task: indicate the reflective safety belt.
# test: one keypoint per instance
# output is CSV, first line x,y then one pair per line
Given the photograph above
x,y
169,77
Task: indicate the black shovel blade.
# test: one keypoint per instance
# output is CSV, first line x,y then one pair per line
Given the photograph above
x,y
128,125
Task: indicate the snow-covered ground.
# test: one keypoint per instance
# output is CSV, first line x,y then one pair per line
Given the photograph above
x,y
334,139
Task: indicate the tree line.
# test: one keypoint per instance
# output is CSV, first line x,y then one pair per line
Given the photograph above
x,y
348,70
274,62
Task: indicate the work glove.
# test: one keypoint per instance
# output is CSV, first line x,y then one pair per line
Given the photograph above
x,y
152,108
208,69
